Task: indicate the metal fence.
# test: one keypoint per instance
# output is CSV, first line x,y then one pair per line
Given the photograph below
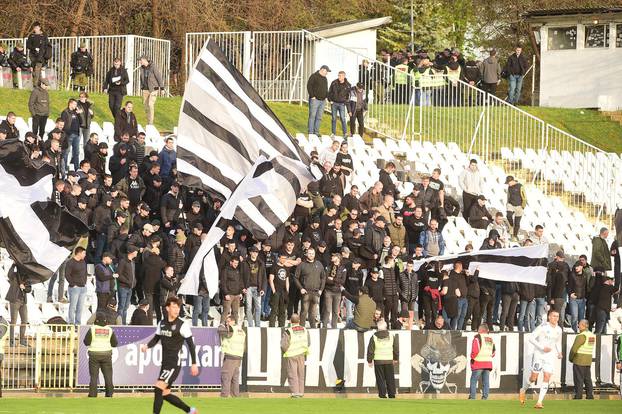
x,y
105,49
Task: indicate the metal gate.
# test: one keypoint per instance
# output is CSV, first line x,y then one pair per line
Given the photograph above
x,y
105,49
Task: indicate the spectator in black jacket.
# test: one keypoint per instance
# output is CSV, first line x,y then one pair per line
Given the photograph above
x,y
115,85
577,294
526,314
141,314
104,281
384,176
317,88
254,279
39,51
509,300
409,289
126,281
75,273
338,96
473,294
600,301
17,296
125,122
232,286
375,285
556,281
516,68
335,278
391,292
8,125
479,216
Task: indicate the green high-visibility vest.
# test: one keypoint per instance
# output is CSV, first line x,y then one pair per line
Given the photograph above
x,y
298,342
401,74
383,348
235,345
485,349
426,78
100,339
588,346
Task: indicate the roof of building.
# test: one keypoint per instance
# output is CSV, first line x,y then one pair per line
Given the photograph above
x,y
572,10
349,26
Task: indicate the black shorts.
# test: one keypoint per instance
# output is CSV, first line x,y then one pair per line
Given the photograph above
x,y
169,373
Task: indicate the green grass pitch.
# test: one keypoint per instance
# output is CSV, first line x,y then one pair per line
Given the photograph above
x,y
137,405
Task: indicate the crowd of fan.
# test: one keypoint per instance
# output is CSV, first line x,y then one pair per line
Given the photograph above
x,y
340,258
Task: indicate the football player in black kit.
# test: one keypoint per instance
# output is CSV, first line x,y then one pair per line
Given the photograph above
x,y
172,332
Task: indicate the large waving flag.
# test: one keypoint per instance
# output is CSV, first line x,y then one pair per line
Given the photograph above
x,y
230,143
261,202
37,232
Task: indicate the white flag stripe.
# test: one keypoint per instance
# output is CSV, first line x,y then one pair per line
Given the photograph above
x,y
277,206
231,171
183,166
190,283
16,206
206,96
256,110
506,272
255,215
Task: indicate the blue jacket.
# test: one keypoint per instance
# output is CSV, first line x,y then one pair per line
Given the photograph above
x,y
423,240
168,161
104,282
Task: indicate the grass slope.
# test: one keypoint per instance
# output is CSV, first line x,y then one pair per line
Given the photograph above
x,y
456,124
304,406
294,117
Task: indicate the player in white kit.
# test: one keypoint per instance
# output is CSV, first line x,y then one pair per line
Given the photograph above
x,y
547,342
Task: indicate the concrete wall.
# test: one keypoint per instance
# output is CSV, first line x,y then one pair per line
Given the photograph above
x,y
337,58
581,78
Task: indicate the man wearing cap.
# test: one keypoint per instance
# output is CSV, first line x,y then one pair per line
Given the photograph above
x,y
126,280
517,200
141,217
375,285
254,278
81,67
104,280
479,216
195,215
39,107
317,88
150,85
556,281
383,354
100,339
364,310
141,314
295,343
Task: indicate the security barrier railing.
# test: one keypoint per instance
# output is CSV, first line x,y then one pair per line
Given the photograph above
x,y
105,49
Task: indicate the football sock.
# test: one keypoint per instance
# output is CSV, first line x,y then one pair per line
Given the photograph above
x,y
177,402
543,389
157,400
528,383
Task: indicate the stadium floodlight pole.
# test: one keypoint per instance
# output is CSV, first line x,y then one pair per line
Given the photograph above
x,y
412,26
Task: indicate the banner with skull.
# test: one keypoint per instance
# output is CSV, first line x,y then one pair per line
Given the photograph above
x,y
431,362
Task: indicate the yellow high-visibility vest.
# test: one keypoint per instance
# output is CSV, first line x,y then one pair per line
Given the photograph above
x,y
235,345
588,346
426,78
485,349
100,339
453,75
401,74
383,348
298,342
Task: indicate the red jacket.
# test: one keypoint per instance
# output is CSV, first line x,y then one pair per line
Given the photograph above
x,y
475,347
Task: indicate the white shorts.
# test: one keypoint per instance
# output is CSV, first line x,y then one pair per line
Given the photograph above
x,y
539,364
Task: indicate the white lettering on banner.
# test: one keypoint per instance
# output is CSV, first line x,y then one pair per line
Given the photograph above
x,y
512,347
605,352
272,351
352,360
325,362
404,374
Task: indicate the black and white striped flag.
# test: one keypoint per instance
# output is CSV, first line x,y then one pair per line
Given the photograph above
x,y
224,126
37,232
261,202
517,264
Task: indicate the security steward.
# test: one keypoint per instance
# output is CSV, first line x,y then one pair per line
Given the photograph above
x,y
232,345
4,333
100,339
581,355
383,353
482,352
295,347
